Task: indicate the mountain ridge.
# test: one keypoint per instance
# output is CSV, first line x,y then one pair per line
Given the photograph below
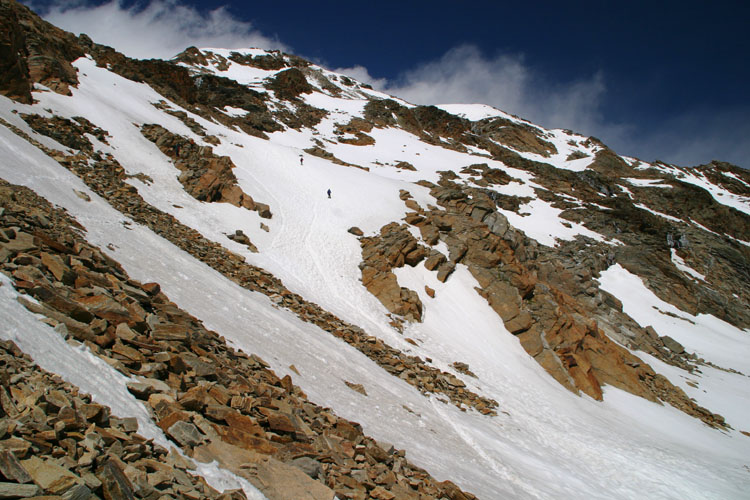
x,y
463,221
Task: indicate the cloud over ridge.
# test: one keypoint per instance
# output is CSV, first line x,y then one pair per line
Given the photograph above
x,y
159,29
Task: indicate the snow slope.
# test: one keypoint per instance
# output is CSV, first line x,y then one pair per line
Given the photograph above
x,y
545,443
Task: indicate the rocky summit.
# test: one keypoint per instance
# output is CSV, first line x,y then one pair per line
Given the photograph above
x,y
237,274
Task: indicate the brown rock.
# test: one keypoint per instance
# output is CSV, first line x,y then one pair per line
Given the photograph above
x,y
356,387
444,271
243,423
104,307
115,485
434,260
50,476
15,490
169,332
185,433
11,468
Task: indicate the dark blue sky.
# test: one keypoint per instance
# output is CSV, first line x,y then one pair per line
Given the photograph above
x,y
668,80
656,60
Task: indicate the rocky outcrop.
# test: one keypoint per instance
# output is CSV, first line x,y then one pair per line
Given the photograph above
x,y
15,81
609,210
553,327
214,402
393,248
429,123
289,84
358,128
519,136
70,133
34,52
205,176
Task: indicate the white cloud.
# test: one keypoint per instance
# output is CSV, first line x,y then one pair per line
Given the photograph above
x,y
362,75
464,75
160,29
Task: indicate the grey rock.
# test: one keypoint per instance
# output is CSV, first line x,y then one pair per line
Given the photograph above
x,y
309,466
185,433
672,345
14,490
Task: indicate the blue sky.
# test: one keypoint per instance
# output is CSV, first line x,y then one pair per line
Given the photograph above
x,y
666,81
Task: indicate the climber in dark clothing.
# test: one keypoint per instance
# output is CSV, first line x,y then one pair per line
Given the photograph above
x,y
329,193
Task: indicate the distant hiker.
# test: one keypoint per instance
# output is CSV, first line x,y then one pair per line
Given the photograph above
x,y
301,160
329,193
176,149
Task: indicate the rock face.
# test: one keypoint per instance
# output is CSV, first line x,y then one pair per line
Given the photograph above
x,y
34,52
290,83
205,176
518,136
394,247
15,81
214,402
552,326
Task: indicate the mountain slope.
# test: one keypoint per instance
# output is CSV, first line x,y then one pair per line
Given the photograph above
x,y
554,229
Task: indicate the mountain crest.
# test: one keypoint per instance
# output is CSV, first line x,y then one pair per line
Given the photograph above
x,y
284,270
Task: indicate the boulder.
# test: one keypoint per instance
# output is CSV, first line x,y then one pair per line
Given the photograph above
x,y
672,345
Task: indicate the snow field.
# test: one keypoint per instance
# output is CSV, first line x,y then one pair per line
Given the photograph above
x,y
710,338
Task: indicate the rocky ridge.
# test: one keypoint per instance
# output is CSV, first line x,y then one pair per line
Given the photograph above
x,y
205,176
553,327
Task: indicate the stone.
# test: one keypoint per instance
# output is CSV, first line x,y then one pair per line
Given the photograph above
x,y
519,323
140,390
672,345
434,261
78,492
356,387
185,433
57,267
309,466
104,307
380,493
444,271
15,490
115,485
531,341
11,468
169,332
355,231
285,482
123,331
50,476
263,210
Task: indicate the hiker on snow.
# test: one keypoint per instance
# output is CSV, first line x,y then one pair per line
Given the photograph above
x,y
329,193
